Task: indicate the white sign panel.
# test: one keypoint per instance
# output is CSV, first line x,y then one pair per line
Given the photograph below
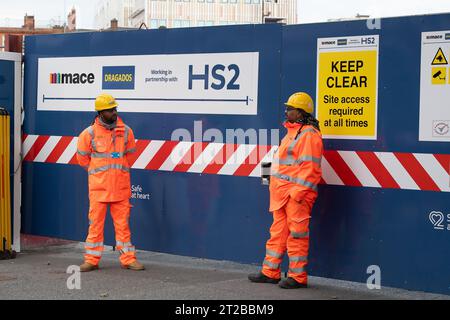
x,y
213,83
434,120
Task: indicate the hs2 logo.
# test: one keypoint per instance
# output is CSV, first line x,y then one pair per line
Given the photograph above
x,y
216,77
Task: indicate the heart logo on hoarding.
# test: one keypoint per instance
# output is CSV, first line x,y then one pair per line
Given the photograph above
x,y
436,219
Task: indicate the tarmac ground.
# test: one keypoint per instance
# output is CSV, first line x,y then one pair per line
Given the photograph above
x,y
40,272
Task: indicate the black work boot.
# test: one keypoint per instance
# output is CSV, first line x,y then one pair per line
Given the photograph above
x,y
290,283
261,278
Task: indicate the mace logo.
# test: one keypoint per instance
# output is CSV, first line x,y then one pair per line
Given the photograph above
x,y
118,77
72,78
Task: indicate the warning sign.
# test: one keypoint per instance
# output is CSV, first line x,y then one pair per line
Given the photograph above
x,y
434,118
347,81
439,58
439,75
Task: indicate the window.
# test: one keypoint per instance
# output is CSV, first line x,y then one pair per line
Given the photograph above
x,y
224,1
200,0
176,23
201,23
256,1
247,1
209,23
209,0
155,23
233,1
181,23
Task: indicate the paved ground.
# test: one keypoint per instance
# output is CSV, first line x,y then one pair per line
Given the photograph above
x,y
40,273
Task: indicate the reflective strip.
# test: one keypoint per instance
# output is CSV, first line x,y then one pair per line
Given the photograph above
x,y
123,244
109,166
125,250
298,259
106,155
274,254
300,234
130,150
90,221
271,264
295,180
127,132
290,162
293,143
297,270
94,253
119,166
99,169
86,167
93,244
83,153
100,155
91,132
114,139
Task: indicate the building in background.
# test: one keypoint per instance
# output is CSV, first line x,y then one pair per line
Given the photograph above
x,y
72,20
11,38
107,10
192,13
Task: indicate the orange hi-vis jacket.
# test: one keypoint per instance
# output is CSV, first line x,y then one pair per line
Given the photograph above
x,y
104,153
296,170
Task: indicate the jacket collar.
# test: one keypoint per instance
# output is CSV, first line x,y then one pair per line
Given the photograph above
x,y
288,125
117,125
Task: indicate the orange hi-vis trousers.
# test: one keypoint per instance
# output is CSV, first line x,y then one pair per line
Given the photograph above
x,y
289,231
120,212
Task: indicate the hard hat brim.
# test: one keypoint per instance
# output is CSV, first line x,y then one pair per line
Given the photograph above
x,y
298,108
290,105
115,105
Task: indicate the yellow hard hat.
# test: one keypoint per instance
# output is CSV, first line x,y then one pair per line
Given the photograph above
x,y
104,102
301,100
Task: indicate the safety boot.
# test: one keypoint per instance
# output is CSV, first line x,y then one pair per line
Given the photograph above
x,y
291,283
86,267
136,266
261,278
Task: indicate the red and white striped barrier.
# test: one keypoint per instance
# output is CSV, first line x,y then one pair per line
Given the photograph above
x,y
412,171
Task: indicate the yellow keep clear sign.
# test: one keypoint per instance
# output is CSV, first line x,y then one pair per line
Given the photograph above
x,y
347,86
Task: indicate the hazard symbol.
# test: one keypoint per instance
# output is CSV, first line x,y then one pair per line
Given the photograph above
x,y
439,75
439,58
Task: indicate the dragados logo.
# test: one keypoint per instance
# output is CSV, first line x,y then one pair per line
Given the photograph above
x,y
118,77
71,78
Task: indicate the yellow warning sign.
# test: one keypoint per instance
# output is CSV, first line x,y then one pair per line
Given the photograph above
x,y
439,58
438,75
347,87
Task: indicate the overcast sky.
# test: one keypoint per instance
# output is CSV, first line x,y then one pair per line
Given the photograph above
x,y
55,11
322,10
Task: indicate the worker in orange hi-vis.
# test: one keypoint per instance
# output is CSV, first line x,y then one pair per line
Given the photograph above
x,y
295,174
103,150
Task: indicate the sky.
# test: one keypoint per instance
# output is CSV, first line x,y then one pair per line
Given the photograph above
x,y
55,11
322,10
47,11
